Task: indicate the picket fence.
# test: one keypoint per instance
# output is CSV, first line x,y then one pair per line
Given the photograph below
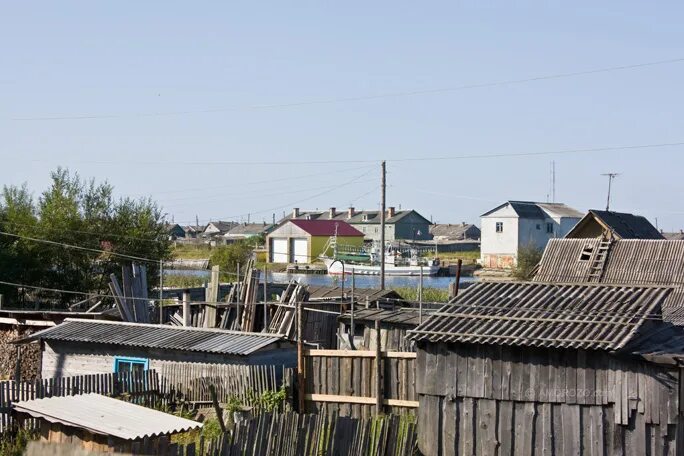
x,y
291,434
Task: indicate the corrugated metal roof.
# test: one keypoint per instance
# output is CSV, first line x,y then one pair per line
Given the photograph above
x,y
156,336
105,415
544,315
326,227
629,262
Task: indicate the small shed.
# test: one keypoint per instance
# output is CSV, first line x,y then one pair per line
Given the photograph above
x,y
79,347
538,368
303,241
101,423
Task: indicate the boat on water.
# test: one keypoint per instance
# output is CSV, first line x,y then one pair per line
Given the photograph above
x,y
366,261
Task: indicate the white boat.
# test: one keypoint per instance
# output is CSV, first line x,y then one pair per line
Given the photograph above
x,y
335,268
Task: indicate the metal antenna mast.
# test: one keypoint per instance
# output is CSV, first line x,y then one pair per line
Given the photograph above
x,y
611,176
553,181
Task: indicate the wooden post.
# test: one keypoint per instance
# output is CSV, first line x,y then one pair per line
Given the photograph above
x,y
265,298
378,369
352,327
420,297
382,227
458,276
187,317
300,359
217,407
1,297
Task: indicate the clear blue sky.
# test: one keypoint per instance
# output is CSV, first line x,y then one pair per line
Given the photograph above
x,y
120,61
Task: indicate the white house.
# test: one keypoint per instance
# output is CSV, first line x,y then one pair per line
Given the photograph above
x,y
516,224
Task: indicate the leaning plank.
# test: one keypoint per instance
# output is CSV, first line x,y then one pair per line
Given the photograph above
x,y
119,299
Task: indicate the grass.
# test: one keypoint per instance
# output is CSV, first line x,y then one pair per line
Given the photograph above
x,y
191,251
467,257
429,294
179,281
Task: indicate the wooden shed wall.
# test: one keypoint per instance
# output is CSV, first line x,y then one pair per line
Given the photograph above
x,y
392,337
502,400
67,358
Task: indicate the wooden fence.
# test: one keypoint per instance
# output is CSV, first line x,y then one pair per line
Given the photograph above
x,y
190,382
345,382
140,388
291,434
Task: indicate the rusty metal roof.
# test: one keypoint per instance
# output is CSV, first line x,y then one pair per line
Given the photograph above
x,y
584,316
157,336
105,415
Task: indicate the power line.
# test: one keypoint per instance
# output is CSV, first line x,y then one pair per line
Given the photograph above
x,y
566,312
77,247
392,160
357,98
94,233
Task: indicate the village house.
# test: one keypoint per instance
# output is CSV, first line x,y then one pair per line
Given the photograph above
x,y
517,224
400,225
174,231
455,232
613,225
674,235
193,231
99,423
303,241
78,347
218,228
539,368
247,230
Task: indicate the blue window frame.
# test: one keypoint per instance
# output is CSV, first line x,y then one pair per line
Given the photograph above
x,y
126,365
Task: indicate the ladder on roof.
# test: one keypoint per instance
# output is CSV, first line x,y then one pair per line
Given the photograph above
x,y
599,261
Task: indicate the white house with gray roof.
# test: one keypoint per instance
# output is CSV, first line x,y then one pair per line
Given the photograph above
x,y
515,224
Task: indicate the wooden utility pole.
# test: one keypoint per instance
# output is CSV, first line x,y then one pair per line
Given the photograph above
x,y
187,318
300,359
420,297
382,227
265,298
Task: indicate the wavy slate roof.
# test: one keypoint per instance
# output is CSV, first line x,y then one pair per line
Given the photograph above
x,y
107,416
629,262
156,336
598,317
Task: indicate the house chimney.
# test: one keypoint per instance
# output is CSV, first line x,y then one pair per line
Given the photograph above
x,y
295,212
350,212
332,212
390,212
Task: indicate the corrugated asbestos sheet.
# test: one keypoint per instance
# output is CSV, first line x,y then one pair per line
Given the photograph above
x,y
155,336
629,262
105,415
597,317
360,294
400,317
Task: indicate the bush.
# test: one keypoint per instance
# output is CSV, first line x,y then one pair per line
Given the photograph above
x,y
528,258
227,257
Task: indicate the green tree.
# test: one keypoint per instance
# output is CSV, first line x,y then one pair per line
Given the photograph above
x,y
76,212
529,257
227,257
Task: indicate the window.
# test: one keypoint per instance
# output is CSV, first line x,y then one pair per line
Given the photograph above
x,y
586,253
549,227
127,365
499,227
538,226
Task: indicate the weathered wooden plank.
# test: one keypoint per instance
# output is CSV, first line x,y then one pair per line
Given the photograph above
x,y
505,431
450,435
467,428
487,443
429,421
